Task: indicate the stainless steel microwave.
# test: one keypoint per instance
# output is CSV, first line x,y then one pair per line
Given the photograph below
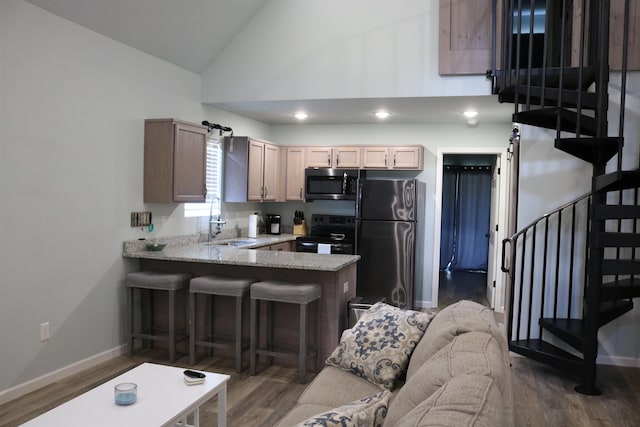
x,y
331,184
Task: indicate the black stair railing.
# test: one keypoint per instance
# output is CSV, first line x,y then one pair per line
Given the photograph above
x,y
546,266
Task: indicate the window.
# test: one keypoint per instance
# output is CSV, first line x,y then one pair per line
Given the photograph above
x,y
214,183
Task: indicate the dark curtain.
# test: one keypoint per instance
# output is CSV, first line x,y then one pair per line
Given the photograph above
x,y
466,208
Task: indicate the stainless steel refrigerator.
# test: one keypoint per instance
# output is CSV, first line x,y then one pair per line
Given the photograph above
x,y
389,230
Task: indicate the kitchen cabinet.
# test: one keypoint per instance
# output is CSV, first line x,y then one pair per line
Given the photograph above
x,y
397,158
283,246
251,170
294,183
336,157
175,154
319,157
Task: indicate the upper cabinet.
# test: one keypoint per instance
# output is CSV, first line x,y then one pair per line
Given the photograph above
x,y
336,157
174,161
294,181
398,158
465,36
251,170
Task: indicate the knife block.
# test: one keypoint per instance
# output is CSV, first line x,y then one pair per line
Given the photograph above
x,y
300,229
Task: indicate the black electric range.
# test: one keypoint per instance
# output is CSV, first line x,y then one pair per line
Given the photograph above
x,y
336,230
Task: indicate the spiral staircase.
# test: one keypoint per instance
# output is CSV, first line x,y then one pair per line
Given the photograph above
x,y
571,271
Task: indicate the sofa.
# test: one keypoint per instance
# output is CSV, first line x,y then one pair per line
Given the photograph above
x,y
457,373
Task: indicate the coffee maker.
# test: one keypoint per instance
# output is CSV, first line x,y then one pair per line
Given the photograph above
x,y
273,224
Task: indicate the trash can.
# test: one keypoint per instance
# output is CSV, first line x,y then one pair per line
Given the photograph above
x,y
359,305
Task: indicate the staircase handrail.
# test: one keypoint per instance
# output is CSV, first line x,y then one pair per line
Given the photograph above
x,y
522,231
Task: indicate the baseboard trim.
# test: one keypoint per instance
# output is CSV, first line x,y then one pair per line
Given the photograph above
x,y
44,380
423,304
630,362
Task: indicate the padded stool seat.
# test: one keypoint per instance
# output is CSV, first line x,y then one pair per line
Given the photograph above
x,y
217,286
290,293
154,281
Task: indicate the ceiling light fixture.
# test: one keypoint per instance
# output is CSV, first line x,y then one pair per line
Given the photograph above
x,y
301,115
470,114
382,114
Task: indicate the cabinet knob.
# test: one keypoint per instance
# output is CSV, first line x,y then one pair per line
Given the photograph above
x,y
394,160
329,160
385,160
338,160
300,192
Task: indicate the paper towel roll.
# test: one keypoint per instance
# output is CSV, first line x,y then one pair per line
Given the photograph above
x,y
253,226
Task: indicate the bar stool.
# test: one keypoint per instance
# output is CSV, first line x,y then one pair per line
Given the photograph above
x,y
217,286
289,293
154,281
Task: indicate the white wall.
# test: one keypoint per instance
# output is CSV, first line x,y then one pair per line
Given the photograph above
x,y
431,136
322,49
72,105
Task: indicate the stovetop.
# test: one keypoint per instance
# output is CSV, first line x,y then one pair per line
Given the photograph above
x,y
331,228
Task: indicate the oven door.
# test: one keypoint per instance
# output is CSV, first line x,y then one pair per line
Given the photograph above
x,y
306,246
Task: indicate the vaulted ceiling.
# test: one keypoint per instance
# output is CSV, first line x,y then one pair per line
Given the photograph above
x,y
191,33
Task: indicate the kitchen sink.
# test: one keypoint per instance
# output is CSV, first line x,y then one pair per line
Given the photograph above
x,y
234,242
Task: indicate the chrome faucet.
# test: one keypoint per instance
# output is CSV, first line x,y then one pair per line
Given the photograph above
x,y
218,226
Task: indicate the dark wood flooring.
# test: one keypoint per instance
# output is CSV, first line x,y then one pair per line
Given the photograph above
x,y
461,284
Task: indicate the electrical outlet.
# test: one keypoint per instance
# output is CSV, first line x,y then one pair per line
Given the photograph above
x,y
44,331
346,287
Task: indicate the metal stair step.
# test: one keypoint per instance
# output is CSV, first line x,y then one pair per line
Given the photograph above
x,y
613,267
534,77
620,289
550,96
548,118
547,353
592,150
611,310
570,331
618,240
617,181
602,212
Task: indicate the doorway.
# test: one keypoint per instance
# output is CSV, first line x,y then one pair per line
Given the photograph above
x,y
465,224
471,195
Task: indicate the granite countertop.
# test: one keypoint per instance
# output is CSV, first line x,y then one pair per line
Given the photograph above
x,y
189,249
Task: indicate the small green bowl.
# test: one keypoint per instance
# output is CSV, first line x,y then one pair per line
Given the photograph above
x,y
155,246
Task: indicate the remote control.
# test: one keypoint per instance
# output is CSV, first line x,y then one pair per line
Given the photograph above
x,y
194,374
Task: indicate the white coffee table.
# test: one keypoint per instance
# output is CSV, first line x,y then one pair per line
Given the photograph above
x,y
163,400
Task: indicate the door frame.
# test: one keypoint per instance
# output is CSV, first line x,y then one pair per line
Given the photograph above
x,y
501,153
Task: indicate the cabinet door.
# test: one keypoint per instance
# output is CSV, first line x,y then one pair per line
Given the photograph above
x,y
465,36
283,246
406,157
347,157
189,164
255,171
374,158
271,172
319,157
295,174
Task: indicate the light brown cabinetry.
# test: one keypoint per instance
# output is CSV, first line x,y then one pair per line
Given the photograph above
x,y
334,157
465,44
283,246
251,170
294,184
174,161
399,158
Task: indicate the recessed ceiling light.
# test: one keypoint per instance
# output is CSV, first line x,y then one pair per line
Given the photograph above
x,y
301,115
469,114
382,114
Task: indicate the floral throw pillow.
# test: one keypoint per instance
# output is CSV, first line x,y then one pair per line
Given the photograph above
x,y
379,345
369,411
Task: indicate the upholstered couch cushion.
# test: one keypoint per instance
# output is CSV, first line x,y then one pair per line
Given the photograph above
x,y
333,387
369,411
465,400
379,345
471,353
454,320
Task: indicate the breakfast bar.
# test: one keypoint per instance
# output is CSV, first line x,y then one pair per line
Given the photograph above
x,y
336,274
